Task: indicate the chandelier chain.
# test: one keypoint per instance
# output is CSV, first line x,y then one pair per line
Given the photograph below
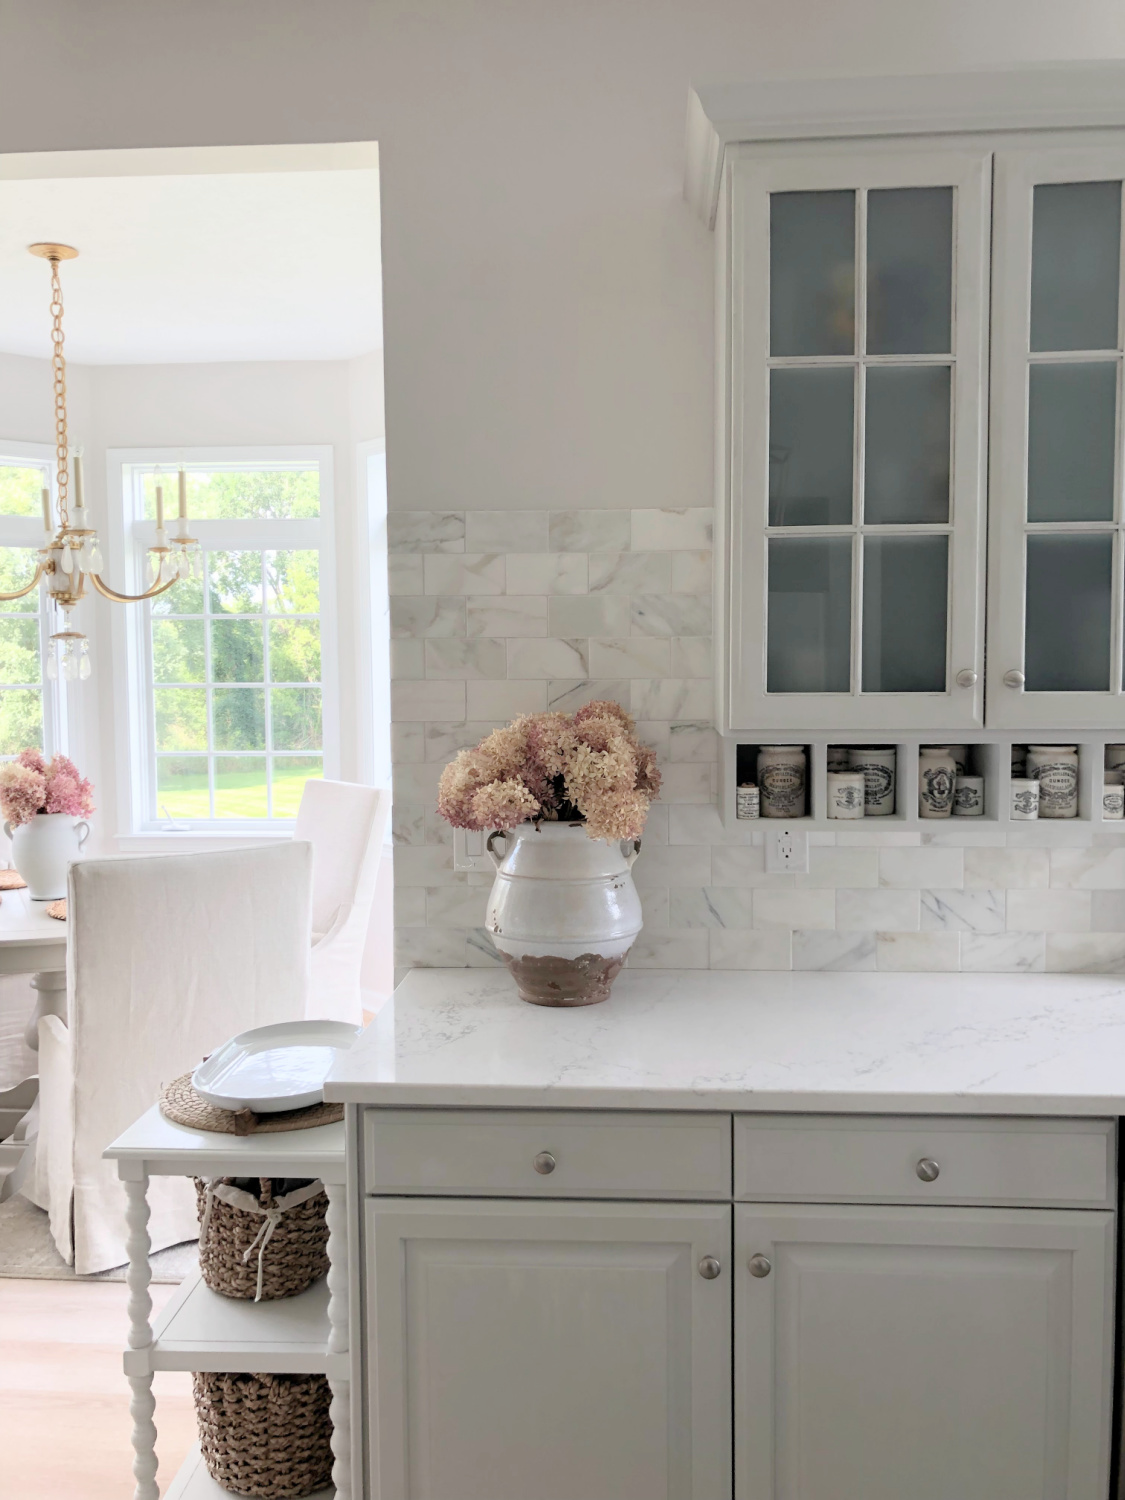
x,y
58,370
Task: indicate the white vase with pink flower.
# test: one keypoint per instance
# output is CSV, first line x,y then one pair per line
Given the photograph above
x,y
45,804
567,797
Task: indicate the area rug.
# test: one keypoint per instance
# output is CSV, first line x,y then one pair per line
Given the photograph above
x,y
28,1252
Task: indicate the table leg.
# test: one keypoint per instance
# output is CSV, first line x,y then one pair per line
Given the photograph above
x,y
143,1404
51,989
338,1341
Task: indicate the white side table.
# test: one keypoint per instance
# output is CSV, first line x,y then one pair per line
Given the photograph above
x,y
201,1330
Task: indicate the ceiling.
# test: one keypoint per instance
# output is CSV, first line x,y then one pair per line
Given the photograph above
x,y
210,266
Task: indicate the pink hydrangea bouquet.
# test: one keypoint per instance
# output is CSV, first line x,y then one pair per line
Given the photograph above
x,y
30,785
586,768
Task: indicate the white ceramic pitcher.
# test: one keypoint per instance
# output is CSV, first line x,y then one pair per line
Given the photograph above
x,y
564,911
44,849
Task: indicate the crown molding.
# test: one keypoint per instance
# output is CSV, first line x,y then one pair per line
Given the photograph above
x,y
1054,96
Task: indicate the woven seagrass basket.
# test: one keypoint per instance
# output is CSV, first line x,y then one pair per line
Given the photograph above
x,y
265,1435
269,1242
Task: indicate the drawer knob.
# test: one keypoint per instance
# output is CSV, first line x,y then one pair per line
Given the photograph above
x,y
759,1265
544,1164
709,1268
928,1169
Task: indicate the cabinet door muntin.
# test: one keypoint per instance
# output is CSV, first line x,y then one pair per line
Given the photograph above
x,y
858,302
1057,568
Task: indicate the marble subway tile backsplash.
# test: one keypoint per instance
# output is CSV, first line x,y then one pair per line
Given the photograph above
x,y
497,613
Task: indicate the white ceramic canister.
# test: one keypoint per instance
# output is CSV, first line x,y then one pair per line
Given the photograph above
x,y
44,849
1055,767
563,912
1025,799
845,794
960,754
1113,800
937,772
968,797
878,767
748,801
783,780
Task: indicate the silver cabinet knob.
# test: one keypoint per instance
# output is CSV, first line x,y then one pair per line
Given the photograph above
x,y
544,1163
759,1265
1014,679
967,678
709,1268
928,1169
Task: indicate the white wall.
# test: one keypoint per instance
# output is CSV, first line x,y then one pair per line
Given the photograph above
x,y
547,293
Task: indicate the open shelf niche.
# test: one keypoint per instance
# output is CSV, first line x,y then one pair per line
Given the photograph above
x,y
990,754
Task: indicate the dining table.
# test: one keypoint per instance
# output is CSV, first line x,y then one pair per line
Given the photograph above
x,y
31,942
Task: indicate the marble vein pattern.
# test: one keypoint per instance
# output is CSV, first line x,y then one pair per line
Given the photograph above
x,y
1022,1043
496,613
963,911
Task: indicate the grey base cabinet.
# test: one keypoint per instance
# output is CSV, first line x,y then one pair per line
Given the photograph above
x,y
929,1353
549,1351
930,1316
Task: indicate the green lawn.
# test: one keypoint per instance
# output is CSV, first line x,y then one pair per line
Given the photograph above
x,y
238,794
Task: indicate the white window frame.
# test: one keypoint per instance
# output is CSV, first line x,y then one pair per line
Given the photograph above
x,y
128,536
27,531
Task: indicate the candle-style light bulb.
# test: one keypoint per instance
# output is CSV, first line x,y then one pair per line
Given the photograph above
x,y
183,493
46,497
78,488
160,507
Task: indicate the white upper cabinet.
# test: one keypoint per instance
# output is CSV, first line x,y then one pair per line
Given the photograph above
x,y
858,314
921,330
1057,548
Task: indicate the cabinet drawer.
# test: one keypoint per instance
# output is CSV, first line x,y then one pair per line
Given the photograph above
x,y
548,1154
849,1159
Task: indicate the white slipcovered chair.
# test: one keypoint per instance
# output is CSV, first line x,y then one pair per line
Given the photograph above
x,y
345,824
167,957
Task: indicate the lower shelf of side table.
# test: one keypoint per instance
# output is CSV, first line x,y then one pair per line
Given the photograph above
x,y
201,1330
194,1483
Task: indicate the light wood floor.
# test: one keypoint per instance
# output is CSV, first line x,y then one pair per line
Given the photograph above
x,y
64,1403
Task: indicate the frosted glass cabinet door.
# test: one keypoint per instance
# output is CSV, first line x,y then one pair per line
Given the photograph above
x,y
1057,547
922,1353
548,1351
858,309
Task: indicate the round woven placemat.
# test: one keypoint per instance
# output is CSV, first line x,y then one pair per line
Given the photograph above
x,y
11,880
57,909
181,1104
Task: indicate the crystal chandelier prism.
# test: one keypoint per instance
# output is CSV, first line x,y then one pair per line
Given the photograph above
x,y
70,555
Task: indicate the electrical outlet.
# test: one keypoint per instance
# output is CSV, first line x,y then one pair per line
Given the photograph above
x,y
469,852
787,850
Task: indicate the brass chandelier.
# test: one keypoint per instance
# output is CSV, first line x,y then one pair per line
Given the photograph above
x,y
70,554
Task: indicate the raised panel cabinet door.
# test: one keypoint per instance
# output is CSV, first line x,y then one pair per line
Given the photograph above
x,y
1056,582
856,281
548,1351
934,1353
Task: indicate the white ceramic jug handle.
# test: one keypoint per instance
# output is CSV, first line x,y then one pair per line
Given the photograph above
x,y
631,859
85,834
7,828
497,859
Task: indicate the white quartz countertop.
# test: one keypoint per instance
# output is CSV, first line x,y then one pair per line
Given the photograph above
x,y
1029,1044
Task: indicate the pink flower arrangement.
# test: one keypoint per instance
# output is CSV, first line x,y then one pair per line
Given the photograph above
x,y
30,785
589,768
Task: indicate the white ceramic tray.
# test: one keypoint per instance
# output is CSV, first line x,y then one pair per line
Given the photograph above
x,y
273,1067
